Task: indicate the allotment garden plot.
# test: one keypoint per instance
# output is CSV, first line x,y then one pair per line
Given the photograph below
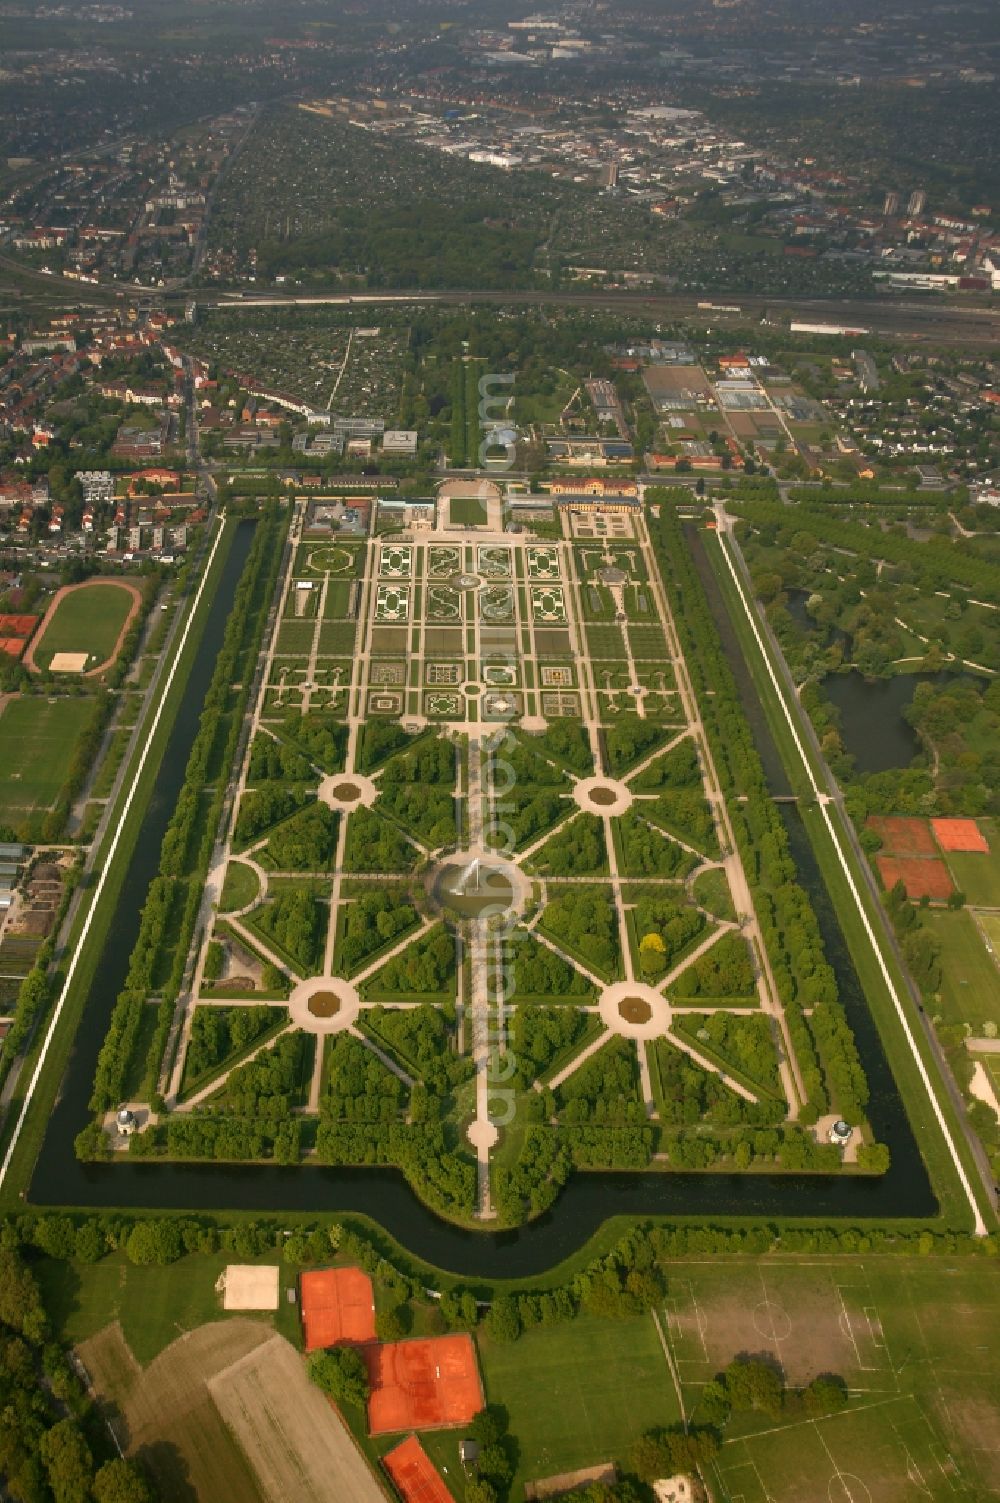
x,y
477,819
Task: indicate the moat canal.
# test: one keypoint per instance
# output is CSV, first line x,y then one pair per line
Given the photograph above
x,y
588,1200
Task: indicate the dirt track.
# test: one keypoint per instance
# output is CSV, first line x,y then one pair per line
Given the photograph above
x,y
227,1412
125,584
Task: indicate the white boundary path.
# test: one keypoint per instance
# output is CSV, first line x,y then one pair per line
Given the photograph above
x,y
823,800
108,862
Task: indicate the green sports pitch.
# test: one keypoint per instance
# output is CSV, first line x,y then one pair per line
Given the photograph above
x,y
38,737
87,619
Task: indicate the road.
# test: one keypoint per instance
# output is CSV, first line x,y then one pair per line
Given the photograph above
x,y
928,318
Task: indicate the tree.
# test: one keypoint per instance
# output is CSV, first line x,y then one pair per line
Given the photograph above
x,y
825,1395
153,1242
754,1385
342,1374
392,1324
503,1321
68,1462
121,1481
479,1490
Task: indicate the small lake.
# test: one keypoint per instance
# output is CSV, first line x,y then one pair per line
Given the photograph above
x,y
873,727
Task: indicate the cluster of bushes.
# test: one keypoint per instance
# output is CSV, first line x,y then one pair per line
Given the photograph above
x,y
540,972
264,806
375,845
792,1148
646,852
428,812
219,1032
49,1420
584,921
443,1175
275,761
537,1035
305,843
604,1090
575,850
725,970
744,1044
628,741
664,929
425,968
294,920
422,1039
358,1087
182,863
372,920
687,1094
320,735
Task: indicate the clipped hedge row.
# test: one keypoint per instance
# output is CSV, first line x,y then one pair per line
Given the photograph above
x,y
187,844
790,929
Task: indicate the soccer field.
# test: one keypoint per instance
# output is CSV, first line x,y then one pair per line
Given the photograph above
x,y
970,981
913,1339
580,1392
38,737
88,619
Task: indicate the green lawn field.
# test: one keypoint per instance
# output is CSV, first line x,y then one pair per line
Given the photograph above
x,y
970,981
154,1305
88,619
38,737
467,511
578,1394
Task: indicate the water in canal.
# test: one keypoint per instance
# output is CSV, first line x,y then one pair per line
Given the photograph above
x,y
587,1201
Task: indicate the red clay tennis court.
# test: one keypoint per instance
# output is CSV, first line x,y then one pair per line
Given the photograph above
x,y
415,1475
920,877
17,626
423,1385
902,835
338,1307
960,835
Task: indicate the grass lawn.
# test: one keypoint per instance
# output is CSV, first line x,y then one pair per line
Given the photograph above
x,y
88,619
970,981
37,740
467,511
154,1305
240,887
579,1393
978,875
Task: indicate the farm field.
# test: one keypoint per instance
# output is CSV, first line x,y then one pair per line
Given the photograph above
x,y
87,619
38,737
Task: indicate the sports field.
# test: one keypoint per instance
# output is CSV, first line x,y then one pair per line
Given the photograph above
x,y
913,1339
579,1393
978,874
970,981
38,737
87,618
